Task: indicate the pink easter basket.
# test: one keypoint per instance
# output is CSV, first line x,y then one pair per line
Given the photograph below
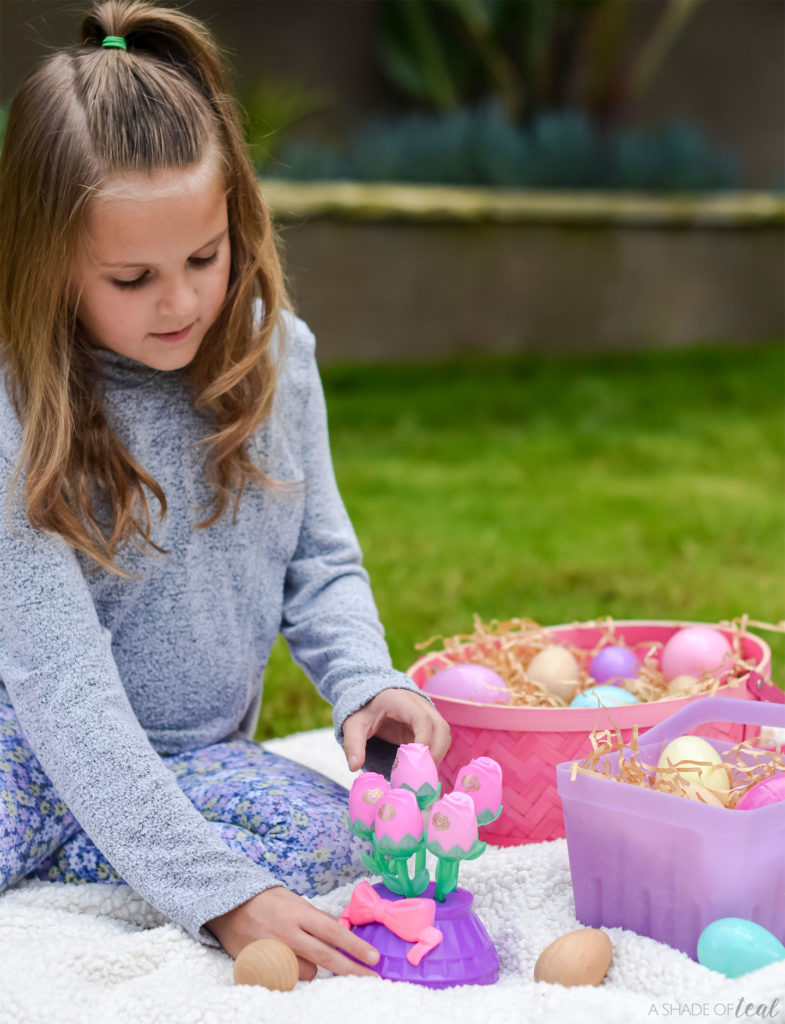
x,y
529,742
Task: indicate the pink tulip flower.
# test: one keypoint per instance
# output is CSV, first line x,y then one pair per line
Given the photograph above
x,y
481,779
414,768
366,792
398,826
452,824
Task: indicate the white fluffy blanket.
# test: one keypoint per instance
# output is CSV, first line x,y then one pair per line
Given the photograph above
x,y
96,954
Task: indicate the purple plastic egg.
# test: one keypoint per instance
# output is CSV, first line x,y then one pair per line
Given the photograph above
x,y
469,682
614,664
695,650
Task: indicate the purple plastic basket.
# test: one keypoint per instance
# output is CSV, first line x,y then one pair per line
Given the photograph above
x,y
666,867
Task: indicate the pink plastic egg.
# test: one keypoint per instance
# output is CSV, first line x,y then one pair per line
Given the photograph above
x,y
612,664
469,682
767,791
695,650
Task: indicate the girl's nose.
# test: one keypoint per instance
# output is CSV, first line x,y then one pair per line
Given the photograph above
x,y
179,300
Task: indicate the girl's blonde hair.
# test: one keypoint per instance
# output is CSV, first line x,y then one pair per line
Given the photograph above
x,y
89,113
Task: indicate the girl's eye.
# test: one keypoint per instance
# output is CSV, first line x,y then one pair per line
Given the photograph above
x,y
204,261
196,261
136,283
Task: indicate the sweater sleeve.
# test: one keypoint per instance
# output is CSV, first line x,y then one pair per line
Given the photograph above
x,y
330,620
57,665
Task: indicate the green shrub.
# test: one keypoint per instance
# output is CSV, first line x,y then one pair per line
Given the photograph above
x,y
481,146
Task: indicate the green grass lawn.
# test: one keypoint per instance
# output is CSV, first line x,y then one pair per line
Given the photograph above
x,y
635,485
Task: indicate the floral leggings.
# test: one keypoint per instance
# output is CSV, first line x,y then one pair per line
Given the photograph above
x,y
276,812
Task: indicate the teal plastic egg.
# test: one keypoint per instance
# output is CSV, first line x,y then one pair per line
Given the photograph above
x,y
605,696
734,946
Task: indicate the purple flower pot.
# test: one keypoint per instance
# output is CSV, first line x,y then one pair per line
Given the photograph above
x,y
465,956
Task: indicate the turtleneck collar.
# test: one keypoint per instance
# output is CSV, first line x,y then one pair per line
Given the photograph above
x,y
120,370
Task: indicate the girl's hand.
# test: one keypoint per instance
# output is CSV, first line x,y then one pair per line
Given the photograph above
x,y
399,716
315,936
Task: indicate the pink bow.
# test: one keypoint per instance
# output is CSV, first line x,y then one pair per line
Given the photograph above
x,y
409,919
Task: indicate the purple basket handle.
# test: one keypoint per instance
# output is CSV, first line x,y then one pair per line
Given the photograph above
x,y
716,709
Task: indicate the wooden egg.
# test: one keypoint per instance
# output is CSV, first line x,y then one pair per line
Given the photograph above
x,y
680,685
269,963
556,669
581,957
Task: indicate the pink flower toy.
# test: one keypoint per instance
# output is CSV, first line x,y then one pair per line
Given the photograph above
x,y
366,792
400,818
414,769
452,837
481,779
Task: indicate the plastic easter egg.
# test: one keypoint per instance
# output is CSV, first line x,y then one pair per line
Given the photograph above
x,y
695,650
613,664
469,682
605,696
556,669
767,791
704,765
734,946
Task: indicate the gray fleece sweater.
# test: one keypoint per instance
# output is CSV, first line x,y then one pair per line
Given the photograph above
x,y
106,674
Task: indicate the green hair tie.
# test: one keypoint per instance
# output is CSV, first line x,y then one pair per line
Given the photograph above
x,y
114,43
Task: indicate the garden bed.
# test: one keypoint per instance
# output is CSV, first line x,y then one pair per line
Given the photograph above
x,y
387,272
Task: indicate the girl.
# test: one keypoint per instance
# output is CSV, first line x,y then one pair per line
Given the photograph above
x,y
170,506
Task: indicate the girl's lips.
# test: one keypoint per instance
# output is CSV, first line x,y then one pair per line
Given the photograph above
x,y
175,335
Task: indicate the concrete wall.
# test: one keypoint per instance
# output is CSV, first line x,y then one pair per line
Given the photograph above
x,y
726,71
389,292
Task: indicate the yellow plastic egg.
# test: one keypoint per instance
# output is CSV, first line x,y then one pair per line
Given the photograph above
x,y
269,963
581,957
709,771
556,669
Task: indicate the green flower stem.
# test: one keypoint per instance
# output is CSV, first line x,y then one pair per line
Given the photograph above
x,y
381,858
403,875
419,861
446,878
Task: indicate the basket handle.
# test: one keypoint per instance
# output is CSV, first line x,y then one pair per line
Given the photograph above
x,y
716,709
762,689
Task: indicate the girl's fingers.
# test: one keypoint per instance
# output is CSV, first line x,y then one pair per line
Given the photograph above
x,y
321,942
330,931
307,969
435,734
354,744
344,939
324,955
441,740
402,718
